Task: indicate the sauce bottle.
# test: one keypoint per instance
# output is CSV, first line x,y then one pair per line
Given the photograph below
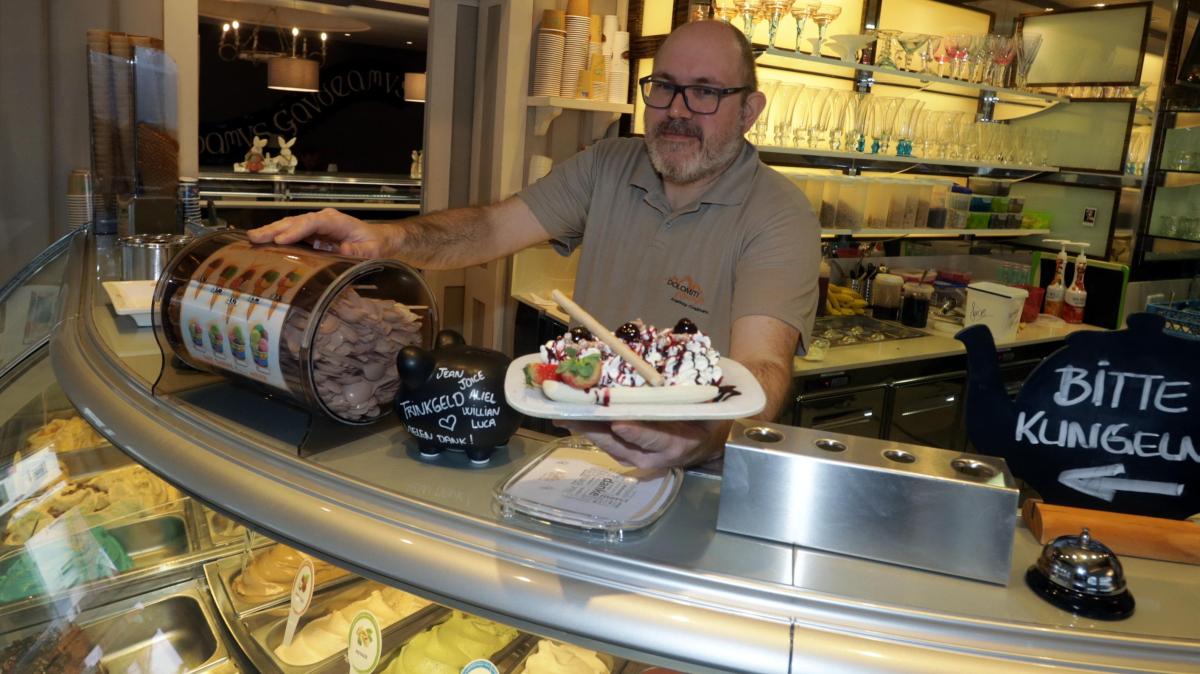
x,y
1076,296
1056,291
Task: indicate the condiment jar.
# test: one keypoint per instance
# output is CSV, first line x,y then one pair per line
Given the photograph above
x,y
885,296
315,328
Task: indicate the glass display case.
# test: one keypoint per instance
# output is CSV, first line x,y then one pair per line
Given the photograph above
x,y
152,530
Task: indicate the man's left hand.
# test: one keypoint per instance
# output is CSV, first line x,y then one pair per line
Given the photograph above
x,y
654,444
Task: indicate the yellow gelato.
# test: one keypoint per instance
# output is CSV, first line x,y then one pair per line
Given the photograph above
x,y
448,647
100,500
64,435
556,658
271,573
326,635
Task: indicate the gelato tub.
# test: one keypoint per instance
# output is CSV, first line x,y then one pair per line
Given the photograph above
x,y
315,328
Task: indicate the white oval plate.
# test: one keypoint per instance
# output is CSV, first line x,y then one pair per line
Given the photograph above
x,y
531,401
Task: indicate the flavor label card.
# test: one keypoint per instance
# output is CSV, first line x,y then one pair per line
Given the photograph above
x,y
364,643
302,593
589,487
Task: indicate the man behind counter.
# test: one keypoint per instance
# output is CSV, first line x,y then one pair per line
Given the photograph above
x,y
686,222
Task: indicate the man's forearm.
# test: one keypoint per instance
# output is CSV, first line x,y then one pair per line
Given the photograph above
x,y
450,239
776,381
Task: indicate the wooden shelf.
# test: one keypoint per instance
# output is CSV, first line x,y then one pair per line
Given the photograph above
x,y
781,58
930,233
548,108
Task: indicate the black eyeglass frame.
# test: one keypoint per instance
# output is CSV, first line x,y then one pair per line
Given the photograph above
x,y
678,89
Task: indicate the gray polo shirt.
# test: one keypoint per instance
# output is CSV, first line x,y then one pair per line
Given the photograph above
x,y
749,246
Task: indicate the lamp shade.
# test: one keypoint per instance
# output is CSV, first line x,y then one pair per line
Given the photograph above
x,y
414,87
288,73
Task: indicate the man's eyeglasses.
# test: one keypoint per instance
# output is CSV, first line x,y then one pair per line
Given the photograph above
x,y
698,98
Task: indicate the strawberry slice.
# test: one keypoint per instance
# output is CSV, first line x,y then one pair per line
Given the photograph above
x,y
581,373
536,373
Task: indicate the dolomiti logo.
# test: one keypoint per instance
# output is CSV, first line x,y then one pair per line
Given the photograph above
x,y
686,289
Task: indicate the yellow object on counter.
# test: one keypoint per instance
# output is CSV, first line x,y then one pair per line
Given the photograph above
x,y
325,636
446,648
271,572
551,657
842,301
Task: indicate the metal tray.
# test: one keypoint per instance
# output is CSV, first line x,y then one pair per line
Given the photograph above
x,y
148,542
259,633
174,622
209,538
220,576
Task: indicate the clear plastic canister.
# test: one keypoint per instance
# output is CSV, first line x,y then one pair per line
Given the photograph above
x,y
316,328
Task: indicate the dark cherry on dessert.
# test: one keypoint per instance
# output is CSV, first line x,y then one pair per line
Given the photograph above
x,y
685,326
629,332
580,333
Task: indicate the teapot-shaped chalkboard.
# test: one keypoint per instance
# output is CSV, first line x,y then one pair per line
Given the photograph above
x,y
1111,421
453,398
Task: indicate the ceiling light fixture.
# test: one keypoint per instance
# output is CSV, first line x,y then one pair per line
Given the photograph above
x,y
290,67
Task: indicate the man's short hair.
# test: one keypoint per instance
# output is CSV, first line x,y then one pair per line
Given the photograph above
x,y
746,56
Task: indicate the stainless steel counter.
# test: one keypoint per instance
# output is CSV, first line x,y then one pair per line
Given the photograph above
x,y
681,593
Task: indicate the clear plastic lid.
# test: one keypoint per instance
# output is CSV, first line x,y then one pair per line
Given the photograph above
x,y
577,485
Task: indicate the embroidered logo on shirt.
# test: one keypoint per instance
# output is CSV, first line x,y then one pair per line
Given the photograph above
x,y
687,292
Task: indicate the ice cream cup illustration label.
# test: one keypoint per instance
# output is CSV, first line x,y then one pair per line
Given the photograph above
x,y
196,332
237,342
302,592
260,345
364,643
480,667
216,339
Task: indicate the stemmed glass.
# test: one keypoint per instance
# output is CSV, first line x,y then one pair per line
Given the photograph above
x,y
776,9
824,16
858,107
883,48
928,56
725,10
910,43
956,50
1004,50
767,87
748,8
832,120
782,107
811,107
884,123
1027,49
802,15
906,121
980,56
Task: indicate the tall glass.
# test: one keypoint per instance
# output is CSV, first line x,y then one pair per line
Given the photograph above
x,y
824,16
812,107
767,87
856,138
906,123
1028,45
1004,50
775,10
832,123
883,121
781,111
980,56
930,55
956,50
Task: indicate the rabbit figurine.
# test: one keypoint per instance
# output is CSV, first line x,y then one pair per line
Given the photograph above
x,y
286,161
255,160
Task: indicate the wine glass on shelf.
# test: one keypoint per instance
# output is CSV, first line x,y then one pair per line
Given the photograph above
x,y
815,107
910,43
885,122
802,11
883,47
856,117
831,121
809,99
955,47
853,44
980,56
931,55
905,129
725,10
1028,45
825,15
749,10
1003,52
781,110
775,10
767,87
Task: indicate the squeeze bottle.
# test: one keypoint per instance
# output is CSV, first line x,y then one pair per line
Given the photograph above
x,y
1056,290
1076,296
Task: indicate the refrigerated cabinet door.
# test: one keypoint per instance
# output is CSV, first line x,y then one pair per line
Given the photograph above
x,y
928,411
854,411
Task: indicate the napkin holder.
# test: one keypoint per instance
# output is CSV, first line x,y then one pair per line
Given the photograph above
x,y
891,502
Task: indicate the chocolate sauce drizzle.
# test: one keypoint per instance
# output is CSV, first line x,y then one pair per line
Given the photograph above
x,y
726,392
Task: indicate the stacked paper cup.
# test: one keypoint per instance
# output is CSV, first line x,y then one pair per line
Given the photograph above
x,y
575,53
548,73
618,68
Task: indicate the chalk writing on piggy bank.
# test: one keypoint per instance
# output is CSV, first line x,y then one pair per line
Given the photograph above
x,y
452,398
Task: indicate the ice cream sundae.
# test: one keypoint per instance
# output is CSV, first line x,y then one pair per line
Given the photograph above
x,y
579,368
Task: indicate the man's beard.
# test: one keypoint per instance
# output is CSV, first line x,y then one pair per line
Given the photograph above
x,y
681,162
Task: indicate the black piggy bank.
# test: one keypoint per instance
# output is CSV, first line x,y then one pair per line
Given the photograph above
x,y
453,398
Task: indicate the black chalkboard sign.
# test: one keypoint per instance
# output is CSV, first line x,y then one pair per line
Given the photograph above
x,y
1111,421
452,398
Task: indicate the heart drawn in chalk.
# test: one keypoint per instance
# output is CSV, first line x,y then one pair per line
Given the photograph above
x,y
448,422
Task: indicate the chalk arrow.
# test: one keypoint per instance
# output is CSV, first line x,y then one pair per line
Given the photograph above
x,y
1099,482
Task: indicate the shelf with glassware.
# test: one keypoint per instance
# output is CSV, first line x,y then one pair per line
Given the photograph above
x,y
929,233
548,108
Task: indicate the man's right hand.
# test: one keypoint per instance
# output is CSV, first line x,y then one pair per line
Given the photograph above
x,y
331,230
